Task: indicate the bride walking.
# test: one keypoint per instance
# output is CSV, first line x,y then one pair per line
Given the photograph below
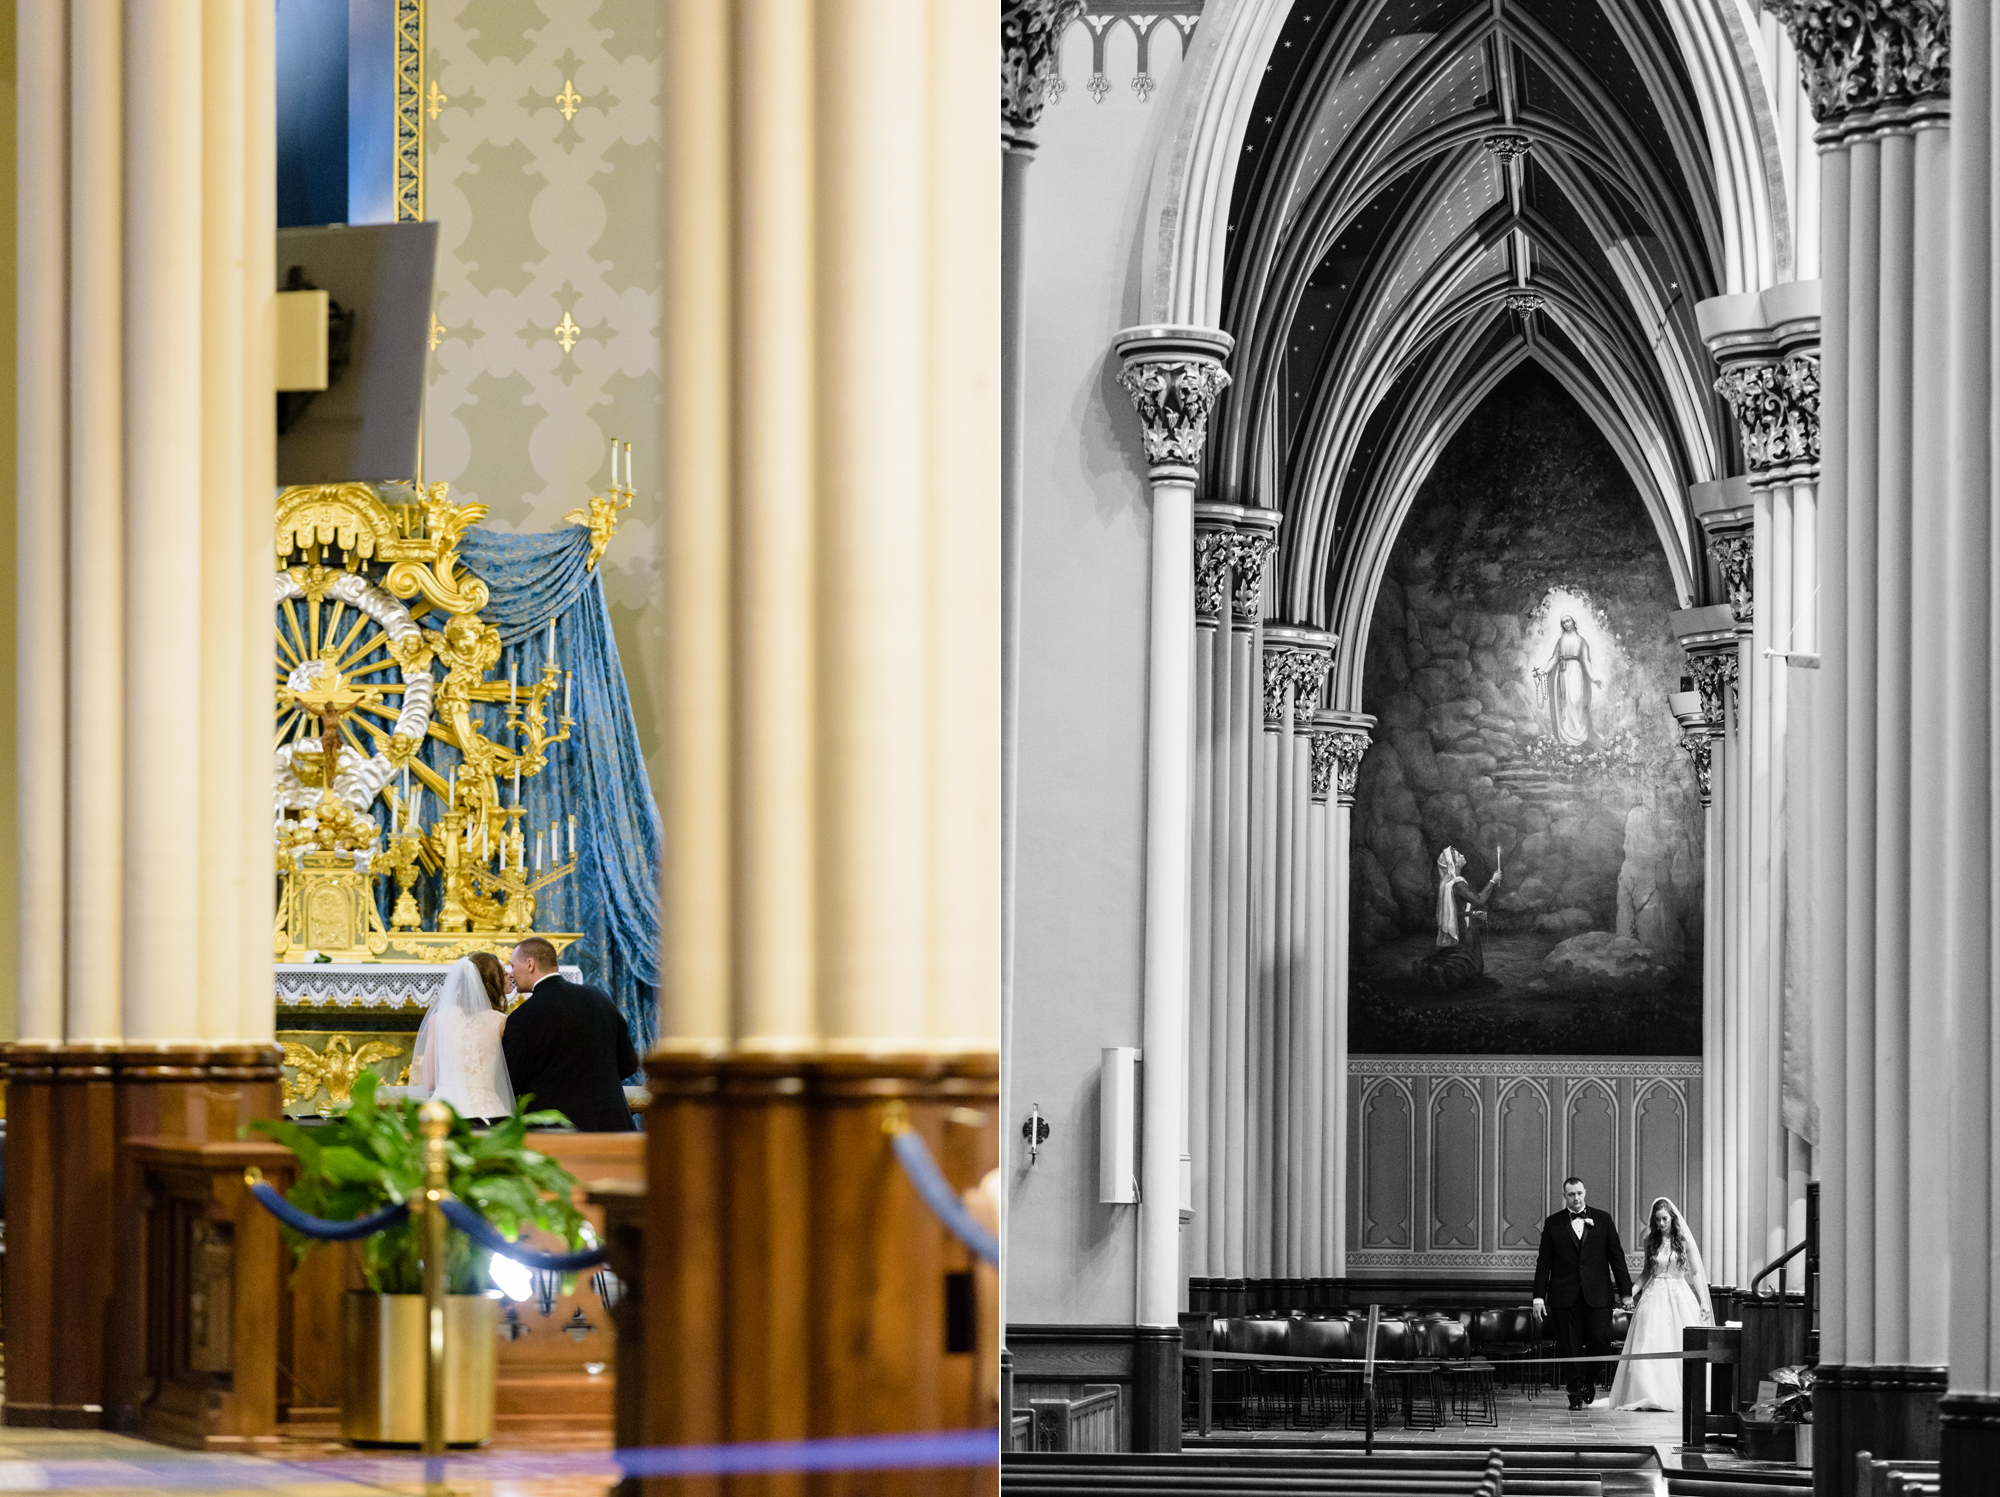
x,y
1673,1294
458,1057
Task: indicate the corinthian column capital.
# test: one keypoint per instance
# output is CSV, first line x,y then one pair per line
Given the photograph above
x,y
1295,657
1863,55
1174,375
1736,555
1339,742
1030,33
1766,345
1776,406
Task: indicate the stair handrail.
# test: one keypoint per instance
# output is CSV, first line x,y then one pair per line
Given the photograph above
x,y
1772,1267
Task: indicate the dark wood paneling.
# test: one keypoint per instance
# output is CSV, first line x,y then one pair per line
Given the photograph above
x,y
1971,1444
794,1281
1890,1411
74,1208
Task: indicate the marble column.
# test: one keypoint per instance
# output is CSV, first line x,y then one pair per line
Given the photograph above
x,y
1971,1409
147,211
1340,739
1234,546
1173,375
1296,660
1030,34
1709,635
829,712
1767,348
1879,87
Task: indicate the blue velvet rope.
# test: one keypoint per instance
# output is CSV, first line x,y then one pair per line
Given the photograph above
x,y
320,1227
483,1232
941,1198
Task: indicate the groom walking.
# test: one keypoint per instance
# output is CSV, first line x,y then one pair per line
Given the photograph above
x,y
1580,1263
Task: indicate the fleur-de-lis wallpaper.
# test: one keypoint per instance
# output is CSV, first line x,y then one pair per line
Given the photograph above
x,y
540,170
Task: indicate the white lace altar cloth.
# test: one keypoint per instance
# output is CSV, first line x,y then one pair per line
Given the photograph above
x,y
358,985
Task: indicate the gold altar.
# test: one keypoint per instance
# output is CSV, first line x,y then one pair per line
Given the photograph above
x,y
380,649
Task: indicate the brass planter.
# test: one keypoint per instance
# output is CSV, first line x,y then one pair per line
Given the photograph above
x,y
384,1352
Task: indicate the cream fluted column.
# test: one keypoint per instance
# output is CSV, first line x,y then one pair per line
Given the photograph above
x,y
830,700
1879,85
259,102
830,200
1173,375
1340,740
41,468
1971,1410
95,927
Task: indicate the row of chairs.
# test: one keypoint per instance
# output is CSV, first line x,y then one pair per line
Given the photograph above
x,y
1436,1365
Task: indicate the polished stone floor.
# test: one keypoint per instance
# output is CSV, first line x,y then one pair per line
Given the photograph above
x,y
309,1463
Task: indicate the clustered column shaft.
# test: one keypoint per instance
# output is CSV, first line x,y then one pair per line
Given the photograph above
x,y
1879,85
146,439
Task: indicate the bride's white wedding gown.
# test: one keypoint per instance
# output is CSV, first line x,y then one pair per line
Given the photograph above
x,y
468,1075
1666,1306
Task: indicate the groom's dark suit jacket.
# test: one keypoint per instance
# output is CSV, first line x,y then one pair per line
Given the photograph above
x,y
569,1045
1568,1270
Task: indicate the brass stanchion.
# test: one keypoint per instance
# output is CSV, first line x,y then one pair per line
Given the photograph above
x,y
435,1120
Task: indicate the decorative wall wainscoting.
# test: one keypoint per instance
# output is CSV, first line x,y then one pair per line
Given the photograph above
x,y
1456,1160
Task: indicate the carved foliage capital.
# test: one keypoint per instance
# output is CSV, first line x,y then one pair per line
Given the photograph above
x,y
1714,671
1777,410
1030,32
1174,397
1736,555
1304,671
1336,762
1699,748
1251,554
1525,301
1508,147
1862,54
1214,550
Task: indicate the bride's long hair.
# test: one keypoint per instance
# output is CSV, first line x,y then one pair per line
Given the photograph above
x,y
1675,1238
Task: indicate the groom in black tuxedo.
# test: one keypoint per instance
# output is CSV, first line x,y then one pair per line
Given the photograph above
x,y
1580,1273
567,1044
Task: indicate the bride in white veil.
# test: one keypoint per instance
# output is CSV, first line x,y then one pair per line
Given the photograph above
x,y
458,1057
1673,1294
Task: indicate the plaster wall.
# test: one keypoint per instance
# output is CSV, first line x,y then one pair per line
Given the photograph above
x,y
544,216
1081,848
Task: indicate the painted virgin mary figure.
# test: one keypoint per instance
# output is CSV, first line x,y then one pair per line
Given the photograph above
x,y
1568,680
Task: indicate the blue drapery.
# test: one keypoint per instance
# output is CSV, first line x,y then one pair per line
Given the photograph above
x,y
599,776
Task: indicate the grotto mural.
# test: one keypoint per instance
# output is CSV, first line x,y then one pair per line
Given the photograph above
x,y
1527,836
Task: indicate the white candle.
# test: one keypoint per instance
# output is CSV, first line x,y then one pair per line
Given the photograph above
x,y
567,677
628,467
614,465
517,786
552,644
538,852
451,793
513,682
572,839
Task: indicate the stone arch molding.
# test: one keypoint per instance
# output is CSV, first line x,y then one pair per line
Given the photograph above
x,y
1647,392
1194,174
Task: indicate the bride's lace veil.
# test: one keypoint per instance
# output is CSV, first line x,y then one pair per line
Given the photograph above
x,y
1697,1274
443,1051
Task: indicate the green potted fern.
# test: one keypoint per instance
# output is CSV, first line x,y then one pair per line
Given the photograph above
x,y
371,1157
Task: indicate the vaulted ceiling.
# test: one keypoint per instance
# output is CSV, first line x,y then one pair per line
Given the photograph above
x,y
1432,191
